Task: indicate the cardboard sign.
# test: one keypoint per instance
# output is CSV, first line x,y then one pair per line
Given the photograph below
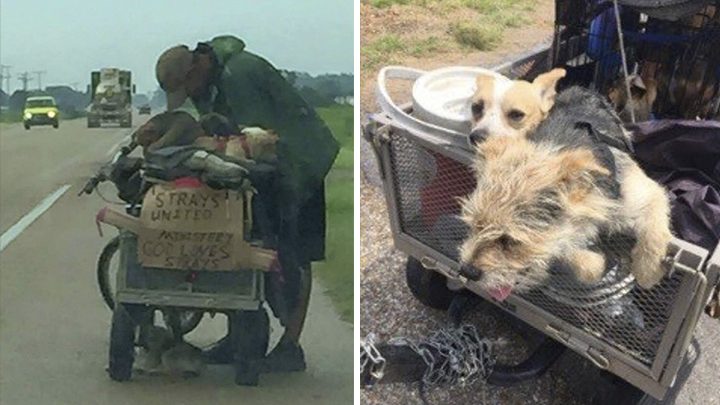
x,y
192,228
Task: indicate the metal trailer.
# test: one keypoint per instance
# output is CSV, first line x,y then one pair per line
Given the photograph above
x,y
641,336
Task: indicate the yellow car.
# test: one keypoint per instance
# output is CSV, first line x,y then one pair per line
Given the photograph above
x,y
41,110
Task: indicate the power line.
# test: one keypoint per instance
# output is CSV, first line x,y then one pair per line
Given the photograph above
x,y
39,74
5,74
24,77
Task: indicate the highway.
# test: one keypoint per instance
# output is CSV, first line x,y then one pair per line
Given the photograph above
x,y
54,326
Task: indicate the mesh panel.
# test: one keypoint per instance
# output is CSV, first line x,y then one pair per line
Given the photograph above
x,y
428,184
614,310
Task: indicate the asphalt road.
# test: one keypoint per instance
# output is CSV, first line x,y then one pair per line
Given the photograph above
x,y
54,327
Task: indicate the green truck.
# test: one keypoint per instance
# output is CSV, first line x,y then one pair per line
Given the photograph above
x,y
111,91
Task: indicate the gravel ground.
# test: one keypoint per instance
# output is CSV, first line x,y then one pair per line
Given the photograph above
x,y
391,312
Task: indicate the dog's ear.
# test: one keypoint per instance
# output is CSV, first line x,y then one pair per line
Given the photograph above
x,y
546,83
577,170
652,88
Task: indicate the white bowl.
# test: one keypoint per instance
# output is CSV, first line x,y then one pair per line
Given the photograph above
x,y
442,97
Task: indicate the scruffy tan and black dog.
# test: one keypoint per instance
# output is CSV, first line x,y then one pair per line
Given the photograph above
x,y
555,194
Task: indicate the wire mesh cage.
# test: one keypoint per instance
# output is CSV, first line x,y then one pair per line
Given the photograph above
x,y
619,321
673,56
429,185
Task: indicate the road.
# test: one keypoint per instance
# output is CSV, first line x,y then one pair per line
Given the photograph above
x,y
54,326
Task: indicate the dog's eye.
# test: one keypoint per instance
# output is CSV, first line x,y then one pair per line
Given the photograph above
x,y
477,108
516,115
506,242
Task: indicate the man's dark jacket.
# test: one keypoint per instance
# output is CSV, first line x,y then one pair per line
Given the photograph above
x,y
250,91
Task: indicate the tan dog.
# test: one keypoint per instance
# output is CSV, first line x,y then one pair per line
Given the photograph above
x,y
539,202
254,143
643,94
504,107
165,354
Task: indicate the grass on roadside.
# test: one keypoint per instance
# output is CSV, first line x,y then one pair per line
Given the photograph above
x,y
384,49
336,272
478,36
481,28
8,117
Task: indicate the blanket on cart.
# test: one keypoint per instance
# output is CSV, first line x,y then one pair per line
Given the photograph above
x,y
685,157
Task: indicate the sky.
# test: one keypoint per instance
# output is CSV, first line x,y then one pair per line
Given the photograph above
x,y
70,38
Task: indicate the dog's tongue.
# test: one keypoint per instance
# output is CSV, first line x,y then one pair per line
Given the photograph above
x,y
500,293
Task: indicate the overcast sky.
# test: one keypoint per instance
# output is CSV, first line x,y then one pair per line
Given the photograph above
x,y
69,38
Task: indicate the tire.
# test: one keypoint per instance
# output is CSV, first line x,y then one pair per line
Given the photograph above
x,y
56,125
189,319
251,335
26,125
427,286
103,271
122,343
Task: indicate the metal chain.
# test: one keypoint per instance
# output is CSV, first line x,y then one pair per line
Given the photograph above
x,y
461,356
370,354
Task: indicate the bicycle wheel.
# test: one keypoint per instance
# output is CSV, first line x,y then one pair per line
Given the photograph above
x,y
107,267
106,272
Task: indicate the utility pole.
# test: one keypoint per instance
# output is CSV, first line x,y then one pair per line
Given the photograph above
x,y
5,74
24,78
39,74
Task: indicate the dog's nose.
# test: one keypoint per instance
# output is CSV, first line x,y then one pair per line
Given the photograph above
x,y
478,136
471,272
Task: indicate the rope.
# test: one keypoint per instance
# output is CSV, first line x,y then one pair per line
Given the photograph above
x,y
623,57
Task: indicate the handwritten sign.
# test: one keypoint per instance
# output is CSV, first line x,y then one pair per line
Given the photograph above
x,y
192,228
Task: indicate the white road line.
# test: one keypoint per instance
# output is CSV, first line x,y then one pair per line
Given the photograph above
x,y
28,219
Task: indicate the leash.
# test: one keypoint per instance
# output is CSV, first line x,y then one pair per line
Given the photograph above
x,y
623,57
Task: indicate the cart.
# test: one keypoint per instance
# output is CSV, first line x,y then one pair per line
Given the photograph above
x,y
166,273
640,336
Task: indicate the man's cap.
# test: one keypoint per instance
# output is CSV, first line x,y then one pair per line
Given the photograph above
x,y
171,70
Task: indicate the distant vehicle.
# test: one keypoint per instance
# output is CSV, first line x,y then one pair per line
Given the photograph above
x,y
41,110
111,96
144,109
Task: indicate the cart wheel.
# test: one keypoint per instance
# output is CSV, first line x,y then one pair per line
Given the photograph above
x,y
429,287
104,270
189,319
251,334
122,343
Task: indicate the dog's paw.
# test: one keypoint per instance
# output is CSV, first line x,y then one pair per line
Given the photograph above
x,y
648,273
589,266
